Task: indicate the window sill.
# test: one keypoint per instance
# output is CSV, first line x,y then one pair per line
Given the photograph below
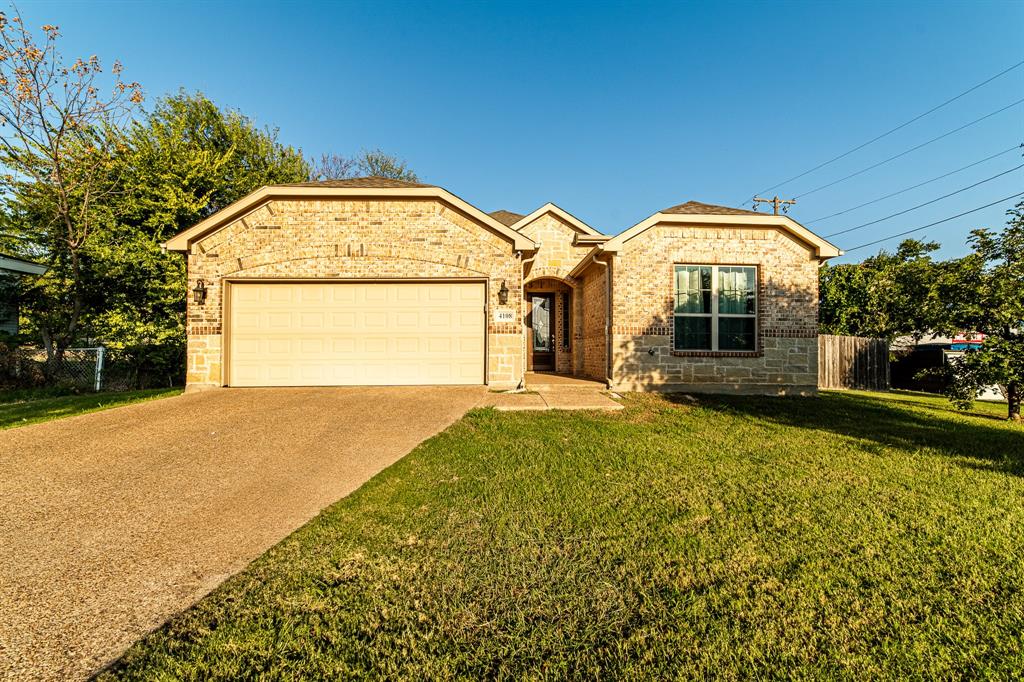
x,y
717,353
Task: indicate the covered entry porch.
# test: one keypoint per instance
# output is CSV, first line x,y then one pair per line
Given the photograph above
x,y
553,329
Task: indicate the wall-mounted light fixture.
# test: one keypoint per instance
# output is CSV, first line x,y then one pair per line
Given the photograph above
x,y
503,293
199,293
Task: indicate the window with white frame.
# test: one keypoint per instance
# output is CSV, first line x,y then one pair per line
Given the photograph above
x,y
715,307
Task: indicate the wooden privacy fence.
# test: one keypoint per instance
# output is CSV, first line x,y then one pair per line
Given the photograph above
x,y
853,362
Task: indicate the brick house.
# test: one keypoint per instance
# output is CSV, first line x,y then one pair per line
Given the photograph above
x,y
371,281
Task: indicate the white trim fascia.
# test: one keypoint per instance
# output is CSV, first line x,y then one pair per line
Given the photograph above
x,y
586,261
561,213
12,264
183,240
590,240
823,248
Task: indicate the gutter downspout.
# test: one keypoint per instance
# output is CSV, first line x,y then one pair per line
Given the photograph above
x,y
522,308
607,320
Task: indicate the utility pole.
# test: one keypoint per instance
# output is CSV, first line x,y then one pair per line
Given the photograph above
x,y
777,202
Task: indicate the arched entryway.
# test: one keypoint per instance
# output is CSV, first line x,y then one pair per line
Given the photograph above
x,y
551,326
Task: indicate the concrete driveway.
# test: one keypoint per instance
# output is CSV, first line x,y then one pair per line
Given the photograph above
x,y
112,522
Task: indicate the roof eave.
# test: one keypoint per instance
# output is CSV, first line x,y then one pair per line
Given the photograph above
x,y
823,248
184,240
587,260
22,266
561,213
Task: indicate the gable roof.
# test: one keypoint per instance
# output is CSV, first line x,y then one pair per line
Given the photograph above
x,y
506,217
573,221
700,208
696,213
20,265
353,187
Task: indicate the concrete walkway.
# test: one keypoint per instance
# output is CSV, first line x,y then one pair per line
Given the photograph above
x,y
556,392
112,522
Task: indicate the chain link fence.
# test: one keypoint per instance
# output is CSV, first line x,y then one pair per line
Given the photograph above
x,y
94,368
82,369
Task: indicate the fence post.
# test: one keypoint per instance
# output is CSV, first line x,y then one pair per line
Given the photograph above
x,y
100,350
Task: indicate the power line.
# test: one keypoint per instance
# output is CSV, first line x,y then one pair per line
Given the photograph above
x,y
912,149
920,184
914,208
937,222
899,127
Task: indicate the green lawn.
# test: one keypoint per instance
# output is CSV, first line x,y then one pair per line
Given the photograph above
x,y
18,408
850,536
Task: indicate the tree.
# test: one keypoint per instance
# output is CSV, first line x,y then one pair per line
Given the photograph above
x,y
379,164
333,167
189,158
376,163
984,292
58,134
887,295
184,161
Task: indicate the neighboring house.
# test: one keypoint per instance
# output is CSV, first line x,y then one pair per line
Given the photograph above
x,y
913,356
12,267
373,281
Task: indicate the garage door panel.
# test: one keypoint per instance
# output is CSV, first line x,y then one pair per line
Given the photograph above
x,y
374,319
280,294
293,334
276,320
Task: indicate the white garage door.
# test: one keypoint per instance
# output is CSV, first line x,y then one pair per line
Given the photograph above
x,y
348,334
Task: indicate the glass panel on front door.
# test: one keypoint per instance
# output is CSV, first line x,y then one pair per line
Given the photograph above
x,y
542,330
542,336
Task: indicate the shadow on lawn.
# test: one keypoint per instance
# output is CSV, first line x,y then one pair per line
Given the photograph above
x,y
978,437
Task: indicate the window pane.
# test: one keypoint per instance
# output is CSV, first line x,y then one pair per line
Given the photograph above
x,y
736,333
737,290
693,289
541,322
693,333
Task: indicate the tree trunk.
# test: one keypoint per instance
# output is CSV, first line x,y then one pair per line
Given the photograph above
x,y
1013,399
50,366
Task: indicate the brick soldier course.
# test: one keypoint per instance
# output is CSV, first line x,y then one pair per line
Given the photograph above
x,y
383,230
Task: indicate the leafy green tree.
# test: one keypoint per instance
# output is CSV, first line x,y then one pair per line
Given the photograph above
x,y
189,158
887,295
984,292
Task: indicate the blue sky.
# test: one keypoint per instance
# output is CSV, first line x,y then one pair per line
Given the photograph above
x,y
611,110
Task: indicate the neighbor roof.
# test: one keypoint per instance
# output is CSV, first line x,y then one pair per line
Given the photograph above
x,y
20,265
698,208
506,217
351,187
369,182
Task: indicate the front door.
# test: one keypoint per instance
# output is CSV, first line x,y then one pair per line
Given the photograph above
x,y
542,331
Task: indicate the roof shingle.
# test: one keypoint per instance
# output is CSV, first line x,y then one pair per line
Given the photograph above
x,y
698,208
506,217
371,182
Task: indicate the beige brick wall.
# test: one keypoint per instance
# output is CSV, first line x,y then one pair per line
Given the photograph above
x,y
352,239
593,295
642,303
556,256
